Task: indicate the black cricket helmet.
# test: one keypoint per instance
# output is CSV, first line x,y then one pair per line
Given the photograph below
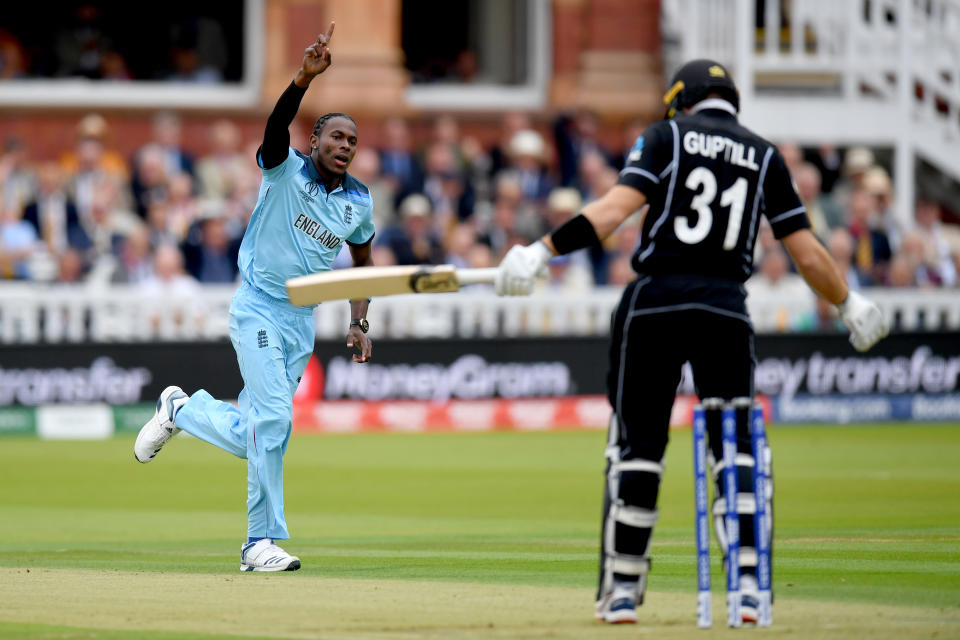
x,y
696,80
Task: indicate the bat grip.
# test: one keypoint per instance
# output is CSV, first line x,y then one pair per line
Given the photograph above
x,y
476,276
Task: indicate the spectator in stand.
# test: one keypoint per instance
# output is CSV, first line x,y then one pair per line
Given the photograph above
x,y
151,185
18,240
398,163
53,214
110,220
876,182
446,132
210,255
528,161
927,266
451,195
840,246
91,154
458,244
562,204
822,213
18,182
576,136
777,298
856,162
872,253
591,175
937,246
157,224
134,257
167,134
91,167
215,171
509,218
183,208
480,257
471,164
902,272
71,267
176,297
513,122
162,156
414,240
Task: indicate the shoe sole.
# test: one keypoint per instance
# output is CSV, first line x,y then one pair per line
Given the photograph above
x,y
293,566
621,618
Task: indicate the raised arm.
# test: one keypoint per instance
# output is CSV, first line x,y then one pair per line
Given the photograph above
x,y
276,135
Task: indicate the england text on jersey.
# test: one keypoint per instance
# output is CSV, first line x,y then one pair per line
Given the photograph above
x,y
710,145
313,229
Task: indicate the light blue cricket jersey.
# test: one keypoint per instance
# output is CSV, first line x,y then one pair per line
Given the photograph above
x,y
298,228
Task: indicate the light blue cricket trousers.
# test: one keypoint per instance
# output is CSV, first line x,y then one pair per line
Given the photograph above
x,y
273,341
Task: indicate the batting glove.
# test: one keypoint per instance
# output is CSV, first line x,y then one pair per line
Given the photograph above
x,y
864,320
519,268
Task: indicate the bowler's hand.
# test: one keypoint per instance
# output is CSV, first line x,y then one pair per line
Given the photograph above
x,y
864,319
358,340
518,270
316,58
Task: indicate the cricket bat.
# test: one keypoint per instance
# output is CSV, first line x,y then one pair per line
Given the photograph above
x,y
370,282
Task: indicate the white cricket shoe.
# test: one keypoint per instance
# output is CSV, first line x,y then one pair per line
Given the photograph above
x,y
160,428
618,607
264,555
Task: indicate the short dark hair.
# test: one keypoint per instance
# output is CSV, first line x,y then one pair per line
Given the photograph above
x,y
322,121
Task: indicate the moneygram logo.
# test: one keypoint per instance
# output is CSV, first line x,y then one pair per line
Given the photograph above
x,y
469,376
102,381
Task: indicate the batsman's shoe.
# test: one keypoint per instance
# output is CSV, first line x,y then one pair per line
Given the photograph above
x,y
160,428
749,599
264,555
619,607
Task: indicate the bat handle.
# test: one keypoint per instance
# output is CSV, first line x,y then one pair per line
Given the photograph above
x,y
476,276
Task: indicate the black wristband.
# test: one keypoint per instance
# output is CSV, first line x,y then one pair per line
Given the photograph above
x,y
575,233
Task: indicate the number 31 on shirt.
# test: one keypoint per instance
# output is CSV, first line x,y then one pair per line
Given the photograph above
x,y
735,197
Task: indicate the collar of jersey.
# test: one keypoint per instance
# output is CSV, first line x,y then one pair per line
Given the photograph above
x,y
715,104
315,175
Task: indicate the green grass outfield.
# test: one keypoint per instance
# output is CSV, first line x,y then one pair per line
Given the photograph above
x,y
488,535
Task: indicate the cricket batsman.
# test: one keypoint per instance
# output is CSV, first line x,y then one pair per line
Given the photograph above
x,y
707,181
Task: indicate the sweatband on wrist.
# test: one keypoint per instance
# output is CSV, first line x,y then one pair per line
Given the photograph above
x,y
575,233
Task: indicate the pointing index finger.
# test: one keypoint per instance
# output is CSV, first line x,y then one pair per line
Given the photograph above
x,y
329,33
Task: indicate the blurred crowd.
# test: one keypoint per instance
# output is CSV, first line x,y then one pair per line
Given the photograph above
x,y
169,220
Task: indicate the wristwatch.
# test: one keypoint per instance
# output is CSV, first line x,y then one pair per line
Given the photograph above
x,y
362,323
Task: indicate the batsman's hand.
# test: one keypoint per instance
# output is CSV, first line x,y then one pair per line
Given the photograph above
x,y
864,319
316,57
358,340
518,270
